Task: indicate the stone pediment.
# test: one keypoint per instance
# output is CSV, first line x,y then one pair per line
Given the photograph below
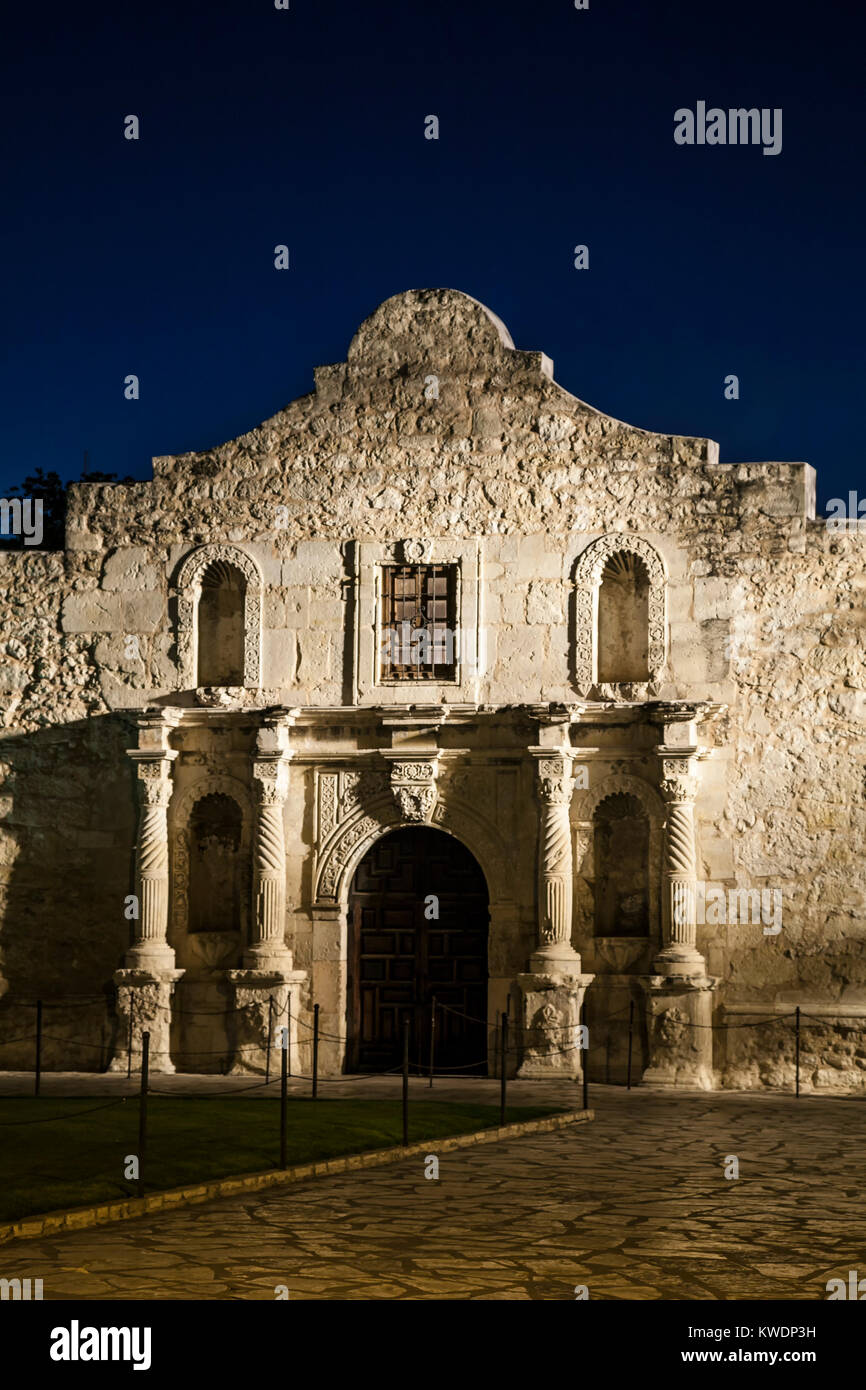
x,y
434,420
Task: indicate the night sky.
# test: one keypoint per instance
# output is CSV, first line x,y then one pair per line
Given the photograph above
x,y
306,127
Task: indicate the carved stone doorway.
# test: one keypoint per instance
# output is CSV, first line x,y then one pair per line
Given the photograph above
x,y
418,924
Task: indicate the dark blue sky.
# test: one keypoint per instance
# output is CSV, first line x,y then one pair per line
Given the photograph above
x,y
306,127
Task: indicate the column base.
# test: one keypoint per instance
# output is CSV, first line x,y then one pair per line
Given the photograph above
x,y
548,1021
680,1039
681,963
269,958
265,1002
144,998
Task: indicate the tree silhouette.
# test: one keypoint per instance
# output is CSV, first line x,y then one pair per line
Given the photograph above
x,y
52,491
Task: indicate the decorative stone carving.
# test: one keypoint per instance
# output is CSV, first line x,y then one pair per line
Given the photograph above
x,y
188,588
679,1032
221,696
268,938
414,788
554,785
339,848
265,1002
416,552
548,1019
150,948
587,579
144,1006
679,786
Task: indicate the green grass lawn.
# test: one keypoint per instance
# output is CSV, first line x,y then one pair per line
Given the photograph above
x,y
73,1158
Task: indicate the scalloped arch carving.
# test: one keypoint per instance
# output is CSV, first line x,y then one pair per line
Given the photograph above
x,y
188,587
346,846
587,581
179,818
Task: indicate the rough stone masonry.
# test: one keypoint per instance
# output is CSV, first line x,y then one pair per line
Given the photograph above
x,y
217,758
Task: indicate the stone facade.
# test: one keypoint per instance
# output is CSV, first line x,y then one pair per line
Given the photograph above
x,y
659,690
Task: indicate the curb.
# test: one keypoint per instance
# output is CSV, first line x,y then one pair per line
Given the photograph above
x,y
79,1218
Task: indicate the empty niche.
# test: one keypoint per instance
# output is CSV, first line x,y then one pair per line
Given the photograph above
x,y
623,620
621,853
221,625
214,864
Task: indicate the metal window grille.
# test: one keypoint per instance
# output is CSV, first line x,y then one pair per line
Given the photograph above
x,y
418,627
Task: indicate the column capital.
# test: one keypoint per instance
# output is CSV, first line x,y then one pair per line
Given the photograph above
x,y
554,782
679,780
154,775
271,779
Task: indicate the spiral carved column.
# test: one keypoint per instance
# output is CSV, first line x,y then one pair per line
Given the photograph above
x,y
678,787
268,944
551,993
150,947
146,983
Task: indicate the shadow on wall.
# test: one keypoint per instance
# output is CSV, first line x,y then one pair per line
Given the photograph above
x,y
68,816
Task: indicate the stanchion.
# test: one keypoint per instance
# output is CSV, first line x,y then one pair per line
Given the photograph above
x,y
432,1037
131,1034
284,1098
503,1080
38,1080
142,1110
630,1033
270,1031
797,1049
315,1051
405,1082
584,1062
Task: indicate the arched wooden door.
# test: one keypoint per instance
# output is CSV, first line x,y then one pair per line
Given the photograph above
x,y
401,953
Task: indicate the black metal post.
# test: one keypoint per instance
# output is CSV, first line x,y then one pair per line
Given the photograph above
x,y
584,1062
432,1037
797,1054
503,1069
284,1098
38,1047
142,1110
131,1033
630,1034
315,1051
405,1082
270,1032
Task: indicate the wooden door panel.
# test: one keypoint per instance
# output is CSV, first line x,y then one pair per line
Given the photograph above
x,y
399,959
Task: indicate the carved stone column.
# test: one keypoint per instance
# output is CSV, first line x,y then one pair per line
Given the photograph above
x,y
679,955
551,993
150,948
268,943
146,984
267,974
555,869
679,995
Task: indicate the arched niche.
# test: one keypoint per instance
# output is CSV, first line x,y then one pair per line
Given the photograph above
x,y
229,583
190,829
634,799
620,637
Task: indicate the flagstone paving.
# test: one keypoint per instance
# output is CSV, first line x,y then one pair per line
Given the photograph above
x,y
634,1206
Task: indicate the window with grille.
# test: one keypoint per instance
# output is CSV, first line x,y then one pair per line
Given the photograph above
x,y
418,637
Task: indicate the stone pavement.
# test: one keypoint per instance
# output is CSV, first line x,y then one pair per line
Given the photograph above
x,y
635,1206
